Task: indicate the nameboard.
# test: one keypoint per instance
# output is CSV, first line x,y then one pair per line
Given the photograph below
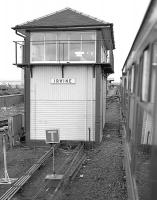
x,y
63,81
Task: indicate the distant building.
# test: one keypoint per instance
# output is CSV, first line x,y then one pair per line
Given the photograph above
x,y
66,58
12,83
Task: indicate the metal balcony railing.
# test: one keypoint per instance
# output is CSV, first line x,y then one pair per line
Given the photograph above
x,y
110,57
19,52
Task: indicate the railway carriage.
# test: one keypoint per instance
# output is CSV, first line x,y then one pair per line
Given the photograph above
x,y
139,108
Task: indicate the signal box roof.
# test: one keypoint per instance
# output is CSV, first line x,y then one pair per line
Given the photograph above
x,y
68,19
62,19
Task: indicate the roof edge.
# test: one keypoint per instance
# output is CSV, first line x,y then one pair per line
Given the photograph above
x,y
61,27
53,13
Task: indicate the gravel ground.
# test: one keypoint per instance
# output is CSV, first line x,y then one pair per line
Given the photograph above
x,y
37,181
19,160
102,175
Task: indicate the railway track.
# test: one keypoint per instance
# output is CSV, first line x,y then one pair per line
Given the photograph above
x,y
46,189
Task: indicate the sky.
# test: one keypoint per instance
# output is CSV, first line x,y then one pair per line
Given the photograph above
x,y
126,15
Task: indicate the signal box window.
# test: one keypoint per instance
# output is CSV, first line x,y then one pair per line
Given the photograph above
x,y
63,47
37,47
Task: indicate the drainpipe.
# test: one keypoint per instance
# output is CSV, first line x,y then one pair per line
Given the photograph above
x,y
19,34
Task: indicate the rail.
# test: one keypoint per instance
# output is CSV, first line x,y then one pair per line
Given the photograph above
x,y
69,170
22,180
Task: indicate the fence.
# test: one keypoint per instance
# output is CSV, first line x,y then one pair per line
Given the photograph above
x,y
10,100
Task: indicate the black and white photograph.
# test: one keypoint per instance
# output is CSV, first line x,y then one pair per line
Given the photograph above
x,y
78,100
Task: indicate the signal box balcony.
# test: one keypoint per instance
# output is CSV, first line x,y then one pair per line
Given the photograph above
x,y
63,52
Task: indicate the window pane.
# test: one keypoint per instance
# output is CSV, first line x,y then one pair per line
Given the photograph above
x,y
38,37
88,46
103,55
75,46
146,76
88,36
37,51
155,54
63,46
37,47
50,46
153,83
62,51
132,79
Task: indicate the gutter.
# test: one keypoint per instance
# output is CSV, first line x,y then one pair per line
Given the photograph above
x,y
19,34
61,27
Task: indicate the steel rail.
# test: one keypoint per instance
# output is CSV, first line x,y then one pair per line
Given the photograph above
x,y
69,168
22,180
69,174
44,184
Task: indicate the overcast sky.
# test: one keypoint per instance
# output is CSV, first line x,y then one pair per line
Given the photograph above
x,y
126,15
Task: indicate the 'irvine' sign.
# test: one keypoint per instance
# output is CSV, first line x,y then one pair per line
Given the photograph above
x,y
63,81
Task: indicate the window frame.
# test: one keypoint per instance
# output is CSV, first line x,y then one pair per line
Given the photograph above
x,y
145,96
153,68
132,78
57,47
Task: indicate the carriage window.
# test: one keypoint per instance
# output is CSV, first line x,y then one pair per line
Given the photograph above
x,y
153,74
146,75
154,61
135,78
132,80
129,79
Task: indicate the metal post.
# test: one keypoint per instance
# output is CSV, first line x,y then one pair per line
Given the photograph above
x,y
54,176
6,179
53,160
59,52
16,53
63,51
4,157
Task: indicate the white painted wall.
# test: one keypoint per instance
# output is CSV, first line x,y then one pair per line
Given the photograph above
x,y
69,108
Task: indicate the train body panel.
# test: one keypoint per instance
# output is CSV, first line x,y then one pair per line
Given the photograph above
x,y
139,102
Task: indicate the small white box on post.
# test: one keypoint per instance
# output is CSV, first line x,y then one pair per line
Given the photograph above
x,y
52,137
